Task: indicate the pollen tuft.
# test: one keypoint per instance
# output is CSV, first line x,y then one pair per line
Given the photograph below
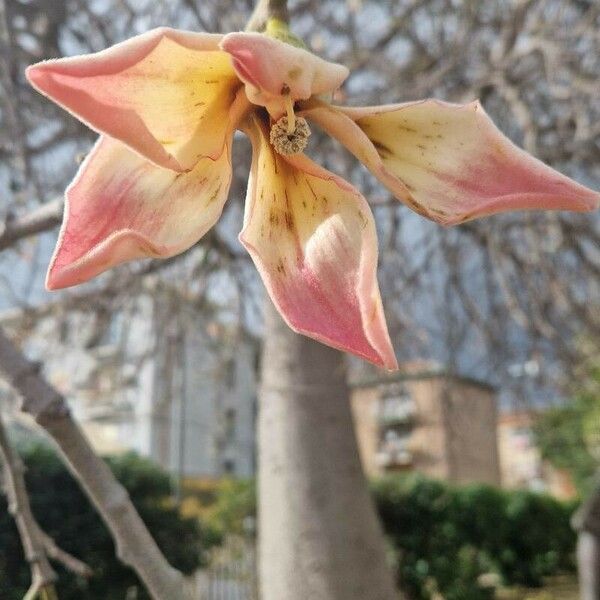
x,y
285,142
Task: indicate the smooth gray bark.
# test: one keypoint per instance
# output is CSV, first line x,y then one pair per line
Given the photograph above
x,y
588,562
587,523
319,537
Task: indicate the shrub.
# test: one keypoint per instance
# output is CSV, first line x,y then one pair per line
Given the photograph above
x,y
64,513
425,525
447,537
537,538
234,506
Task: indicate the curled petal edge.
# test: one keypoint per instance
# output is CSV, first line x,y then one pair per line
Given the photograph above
x,y
272,69
121,123
125,243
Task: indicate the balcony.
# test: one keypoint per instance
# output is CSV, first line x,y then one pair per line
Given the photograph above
x,y
397,410
394,450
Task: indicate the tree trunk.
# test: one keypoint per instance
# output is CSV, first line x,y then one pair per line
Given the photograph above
x,y
588,562
319,537
587,523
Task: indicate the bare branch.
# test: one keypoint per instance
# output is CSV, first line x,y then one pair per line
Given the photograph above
x,y
42,574
41,219
70,562
135,546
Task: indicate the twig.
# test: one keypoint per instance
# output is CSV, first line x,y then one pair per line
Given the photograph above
x,y
17,490
70,562
42,574
13,121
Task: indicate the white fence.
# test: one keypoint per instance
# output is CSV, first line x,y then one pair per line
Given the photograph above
x,y
231,575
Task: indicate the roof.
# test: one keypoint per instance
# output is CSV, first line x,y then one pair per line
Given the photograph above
x,y
419,375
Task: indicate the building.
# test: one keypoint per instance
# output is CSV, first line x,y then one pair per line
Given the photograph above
x,y
426,420
161,378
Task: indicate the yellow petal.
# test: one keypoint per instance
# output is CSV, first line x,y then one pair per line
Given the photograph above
x,y
165,94
449,162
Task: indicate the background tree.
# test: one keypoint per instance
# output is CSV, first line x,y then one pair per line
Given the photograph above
x,y
569,435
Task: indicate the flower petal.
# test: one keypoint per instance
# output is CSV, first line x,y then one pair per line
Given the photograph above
x,y
313,240
449,162
272,69
165,94
121,207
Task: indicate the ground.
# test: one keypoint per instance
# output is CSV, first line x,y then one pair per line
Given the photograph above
x,y
557,588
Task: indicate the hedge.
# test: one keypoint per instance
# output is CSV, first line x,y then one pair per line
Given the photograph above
x,y
448,538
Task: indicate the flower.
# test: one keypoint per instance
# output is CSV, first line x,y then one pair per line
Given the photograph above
x,y
167,103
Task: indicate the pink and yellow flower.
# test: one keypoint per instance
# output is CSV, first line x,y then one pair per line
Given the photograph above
x,y
167,103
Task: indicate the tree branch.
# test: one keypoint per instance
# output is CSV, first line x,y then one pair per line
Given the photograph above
x,y
44,218
135,546
18,498
70,562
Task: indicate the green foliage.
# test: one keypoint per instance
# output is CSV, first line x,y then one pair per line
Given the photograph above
x,y
235,505
538,539
448,537
426,524
65,514
569,436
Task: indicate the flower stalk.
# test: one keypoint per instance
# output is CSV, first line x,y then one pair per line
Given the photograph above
x,y
266,10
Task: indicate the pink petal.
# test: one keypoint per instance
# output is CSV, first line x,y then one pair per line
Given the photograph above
x,y
121,207
165,94
271,68
313,240
450,162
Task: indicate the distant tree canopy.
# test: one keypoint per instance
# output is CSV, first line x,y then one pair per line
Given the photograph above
x,y
66,515
569,435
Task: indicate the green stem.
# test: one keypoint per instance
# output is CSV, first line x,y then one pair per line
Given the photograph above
x,y
266,10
